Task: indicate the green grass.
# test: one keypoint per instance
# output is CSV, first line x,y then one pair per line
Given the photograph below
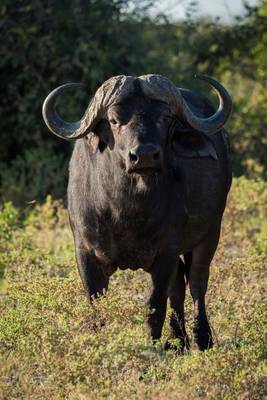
x,y
54,345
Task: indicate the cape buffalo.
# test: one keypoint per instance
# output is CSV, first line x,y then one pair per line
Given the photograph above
x,y
148,182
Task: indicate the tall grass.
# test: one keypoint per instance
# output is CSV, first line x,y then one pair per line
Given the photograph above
x,y
53,345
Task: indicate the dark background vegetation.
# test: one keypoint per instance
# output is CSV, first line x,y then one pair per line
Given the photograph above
x,y
47,43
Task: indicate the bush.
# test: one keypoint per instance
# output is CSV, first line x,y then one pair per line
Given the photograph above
x,y
54,345
9,217
45,44
33,175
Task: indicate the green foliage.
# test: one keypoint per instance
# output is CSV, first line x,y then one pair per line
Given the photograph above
x,y
54,345
35,174
237,56
248,208
244,68
8,224
8,221
45,44
42,47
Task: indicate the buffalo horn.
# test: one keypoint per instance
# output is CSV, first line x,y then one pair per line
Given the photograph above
x,y
63,129
215,122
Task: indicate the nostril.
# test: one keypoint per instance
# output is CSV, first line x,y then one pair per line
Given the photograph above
x,y
156,156
133,156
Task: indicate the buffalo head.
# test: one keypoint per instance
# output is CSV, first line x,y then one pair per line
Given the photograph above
x,y
135,118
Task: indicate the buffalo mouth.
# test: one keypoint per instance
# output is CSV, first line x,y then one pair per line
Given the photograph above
x,y
144,170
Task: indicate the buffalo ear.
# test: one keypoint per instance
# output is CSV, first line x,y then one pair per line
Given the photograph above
x,y
104,134
192,144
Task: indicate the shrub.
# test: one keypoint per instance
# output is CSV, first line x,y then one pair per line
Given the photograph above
x,y
54,345
34,174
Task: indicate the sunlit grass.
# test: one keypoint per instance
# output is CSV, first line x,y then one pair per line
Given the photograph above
x,y
54,345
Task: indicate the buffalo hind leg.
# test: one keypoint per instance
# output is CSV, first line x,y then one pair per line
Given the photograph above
x,y
198,282
177,320
161,276
95,280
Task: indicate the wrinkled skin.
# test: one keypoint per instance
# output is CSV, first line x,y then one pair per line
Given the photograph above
x,y
132,212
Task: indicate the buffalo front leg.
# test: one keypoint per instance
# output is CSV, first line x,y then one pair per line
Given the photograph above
x,y
198,282
177,320
161,275
95,280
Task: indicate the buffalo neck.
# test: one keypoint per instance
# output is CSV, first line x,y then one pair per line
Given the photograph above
x,y
124,195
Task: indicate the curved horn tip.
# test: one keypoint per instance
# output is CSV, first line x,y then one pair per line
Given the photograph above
x,y
65,130
215,122
60,88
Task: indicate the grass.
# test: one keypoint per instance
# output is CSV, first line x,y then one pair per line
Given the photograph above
x,y
53,345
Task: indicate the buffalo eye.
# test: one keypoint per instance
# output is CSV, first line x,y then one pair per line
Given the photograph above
x,y
165,120
113,121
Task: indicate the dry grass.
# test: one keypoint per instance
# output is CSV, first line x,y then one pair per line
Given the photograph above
x,y
53,345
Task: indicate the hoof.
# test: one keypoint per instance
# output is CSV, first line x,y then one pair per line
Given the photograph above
x,y
203,338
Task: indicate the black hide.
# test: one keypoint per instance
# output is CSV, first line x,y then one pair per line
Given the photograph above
x,y
143,190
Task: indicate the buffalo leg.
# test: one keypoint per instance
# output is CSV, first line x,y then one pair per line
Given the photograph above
x,y
177,321
198,282
94,279
161,275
